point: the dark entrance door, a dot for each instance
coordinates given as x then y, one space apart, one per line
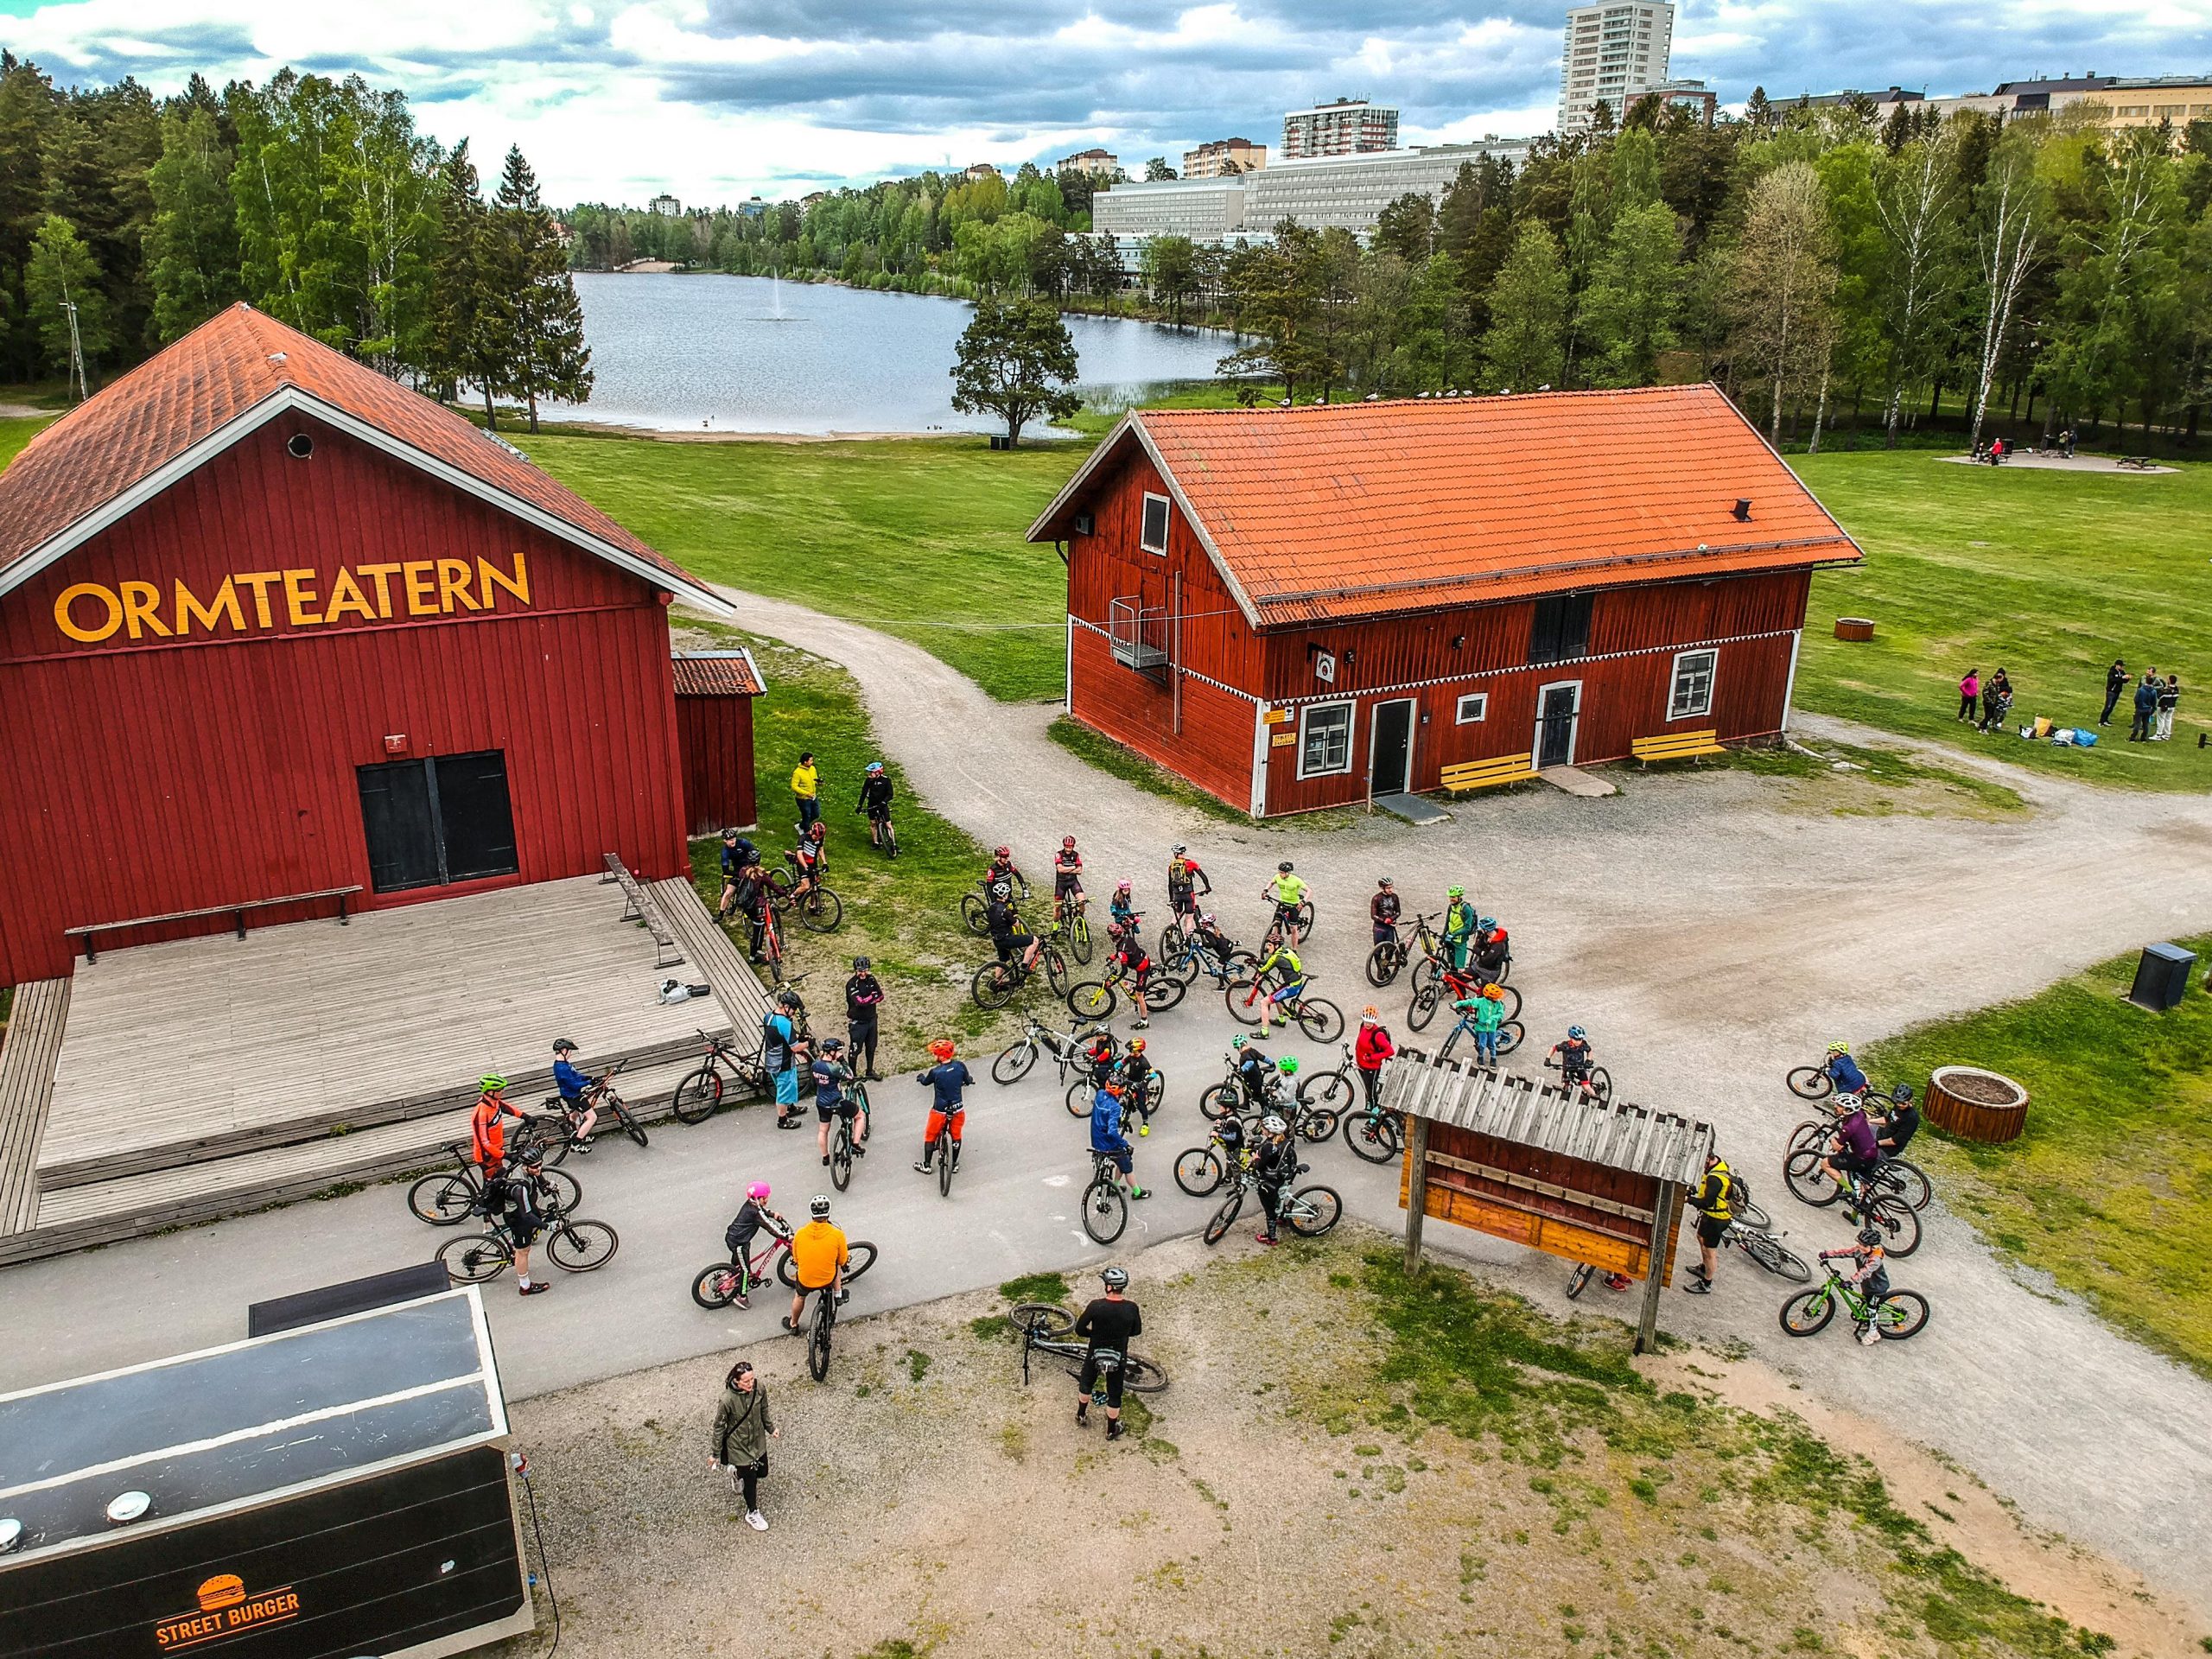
435 821
1390 762
1556 716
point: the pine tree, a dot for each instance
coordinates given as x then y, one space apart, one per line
547 356
471 322
191 245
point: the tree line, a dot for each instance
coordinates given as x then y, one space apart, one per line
127 220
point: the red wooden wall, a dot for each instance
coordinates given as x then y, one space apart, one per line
157 775
715 735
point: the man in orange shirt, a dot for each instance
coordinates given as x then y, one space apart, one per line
819 1257
488 1136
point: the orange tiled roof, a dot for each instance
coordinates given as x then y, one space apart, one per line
717 674
235 360
1355 510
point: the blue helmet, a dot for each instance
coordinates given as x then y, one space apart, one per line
1575 1032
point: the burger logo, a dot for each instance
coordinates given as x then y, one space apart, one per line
225 1609
224 1590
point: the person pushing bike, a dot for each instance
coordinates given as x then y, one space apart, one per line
876 795
1107 1324
1713 1202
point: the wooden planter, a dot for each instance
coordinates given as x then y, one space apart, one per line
1856 628
1976 1105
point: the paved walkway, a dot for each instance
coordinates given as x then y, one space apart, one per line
2065 464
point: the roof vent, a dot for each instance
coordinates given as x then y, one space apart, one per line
127 1507
299 446
1742 509
277 357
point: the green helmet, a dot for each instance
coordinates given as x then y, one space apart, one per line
1455 893
492 1084
1287 1065
1237 1041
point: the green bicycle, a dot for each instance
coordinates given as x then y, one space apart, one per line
1897 1316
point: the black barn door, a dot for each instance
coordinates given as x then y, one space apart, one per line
428 822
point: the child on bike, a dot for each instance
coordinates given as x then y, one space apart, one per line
1256 1069
947 1108
1485 1013
1136 1075
1492 951
1290 982
1121 910
832 1097
1108 1138
1135 964
1575 1059
1217 943
513 1196
1843 1072
1100 1055
752 1215
1870 1277
575 1089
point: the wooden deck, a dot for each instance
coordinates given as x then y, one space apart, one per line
34 1033
711 955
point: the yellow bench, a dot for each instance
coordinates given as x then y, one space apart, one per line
1677 746
1481 774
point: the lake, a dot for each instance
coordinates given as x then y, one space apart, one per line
677 352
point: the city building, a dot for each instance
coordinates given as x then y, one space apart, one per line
1884 100
1296 608
980 171
2128 100
1345 126
1098 163
1223 157
752 207
316 639
666 205
1694 96
1615 52
1205 210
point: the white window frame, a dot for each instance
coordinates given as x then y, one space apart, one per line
1166 517
1459 714
1674 681
1350 706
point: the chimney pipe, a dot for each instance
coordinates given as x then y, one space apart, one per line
1742 509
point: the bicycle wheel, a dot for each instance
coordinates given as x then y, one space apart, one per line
1808 1183
698 1095
1056 968
1383 963
1314 1211
1511 1036
1810 1136
1328 1091
1910 1180
1322 1021
1105 1212
1775 1257
1142 1376
1511 998
631 1126
1198 1172
1246 1007
1316 1124
1748 1210
1807 1312
841 1155
550 1134
1222 1100
817 1340
1079 936
993 985
821 911
1902 1315
1303 916
1225 1218
473 1260
1579 1281
1163 993
1372 1136
1081 1097
1451 1041
715 1285
1811 1083
441 1200
1013 1062
1425 972
1422 1009
973 914
859 1256
1092 1001
1041 1321
1601 1082
1900 1222
945 1162
786 1270
579 1246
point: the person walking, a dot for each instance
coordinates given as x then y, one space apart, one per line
864 1017
806 790
2146 707
738 1444
2169 700
1969 693
1106 1323
2116 683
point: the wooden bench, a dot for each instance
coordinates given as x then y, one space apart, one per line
2136 463
1677 746
642 907
91 952
1483 774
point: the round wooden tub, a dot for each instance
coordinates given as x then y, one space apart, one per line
1975 1105
1857 628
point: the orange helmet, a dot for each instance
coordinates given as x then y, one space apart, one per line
942 1048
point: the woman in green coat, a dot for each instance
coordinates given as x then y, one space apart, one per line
740 1442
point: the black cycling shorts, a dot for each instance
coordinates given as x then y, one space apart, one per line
523 1230
1006 944
849 1107
1711 1230
1088 1381
1065 882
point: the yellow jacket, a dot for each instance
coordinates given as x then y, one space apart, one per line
805 780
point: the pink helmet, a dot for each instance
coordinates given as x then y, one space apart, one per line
757 1191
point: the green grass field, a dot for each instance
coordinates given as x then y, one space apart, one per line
2049 575
16 431
2109 1190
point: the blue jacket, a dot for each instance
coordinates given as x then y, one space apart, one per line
2146 697
948 1080
1844 1072
1106 1124
571 1082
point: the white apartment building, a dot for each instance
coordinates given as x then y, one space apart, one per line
1343 126
1223 157
1615 52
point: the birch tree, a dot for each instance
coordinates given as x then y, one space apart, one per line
1917 201
2005 251
1785 278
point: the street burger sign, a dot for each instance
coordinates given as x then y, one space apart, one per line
225 1610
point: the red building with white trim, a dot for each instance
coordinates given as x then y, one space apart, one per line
1302 607
271 625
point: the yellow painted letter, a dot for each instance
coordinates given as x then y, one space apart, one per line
298 595
191 612
488 573
91 590
452 584
142 608
260 580
347 598
422 596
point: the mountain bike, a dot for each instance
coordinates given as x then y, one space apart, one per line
1897 1316
1200 1170
1067 1048
1765 1249
1082 1094
939 1150
1045 1329
1389 957
1901 1174
1072 918
840 1134
1810 1082
819 909
882 835
997 983
448 1199
817 1339
1309 1213
1873 1196
1447 986
1510 1035
1597 1085
1322 1021
976 906
699 1095
1105 1206
1097 999
715 1285
571 1246
554 1131
1184 956
1226 1098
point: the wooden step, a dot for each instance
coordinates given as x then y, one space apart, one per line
42 1014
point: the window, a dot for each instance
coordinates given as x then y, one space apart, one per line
1473 707
1153 536
1323 739
1693 692
1560 630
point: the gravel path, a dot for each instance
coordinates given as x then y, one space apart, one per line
1710 937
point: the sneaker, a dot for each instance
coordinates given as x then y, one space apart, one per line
786 1322
1114 1430
1617 1281
1868 1336
741 1301
1141 1025
757 1520
860 1148
1698 1287
923 1167
1082 1415
825 1160
787 1122
1139 1191
1263 1239
536 1287
581 1143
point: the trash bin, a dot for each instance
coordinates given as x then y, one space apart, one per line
2162 977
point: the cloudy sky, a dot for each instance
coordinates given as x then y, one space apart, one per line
716 99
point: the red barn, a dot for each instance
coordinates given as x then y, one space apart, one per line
713 720
272 625
1300 607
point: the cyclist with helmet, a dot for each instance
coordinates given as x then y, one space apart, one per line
487 1130
513 1196
1010 935
1574 1058
1107 1324
1491 949
781 1048
1459 920
1870 1276
1714 1204
863 1016
1109 1133
1185 881
1286 892
1136 1075
1256 1069
1894 1130
818 1258
575 1087
1217 943
1485 1013
1004 869
1274 1165
1121 910
1843 1072
1383 910
947 1108
1370 1049
809 859
833 1097
875 800
739 856
1102 1059
752 1215
1067 879
1128 952
1290 980
1854 1150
